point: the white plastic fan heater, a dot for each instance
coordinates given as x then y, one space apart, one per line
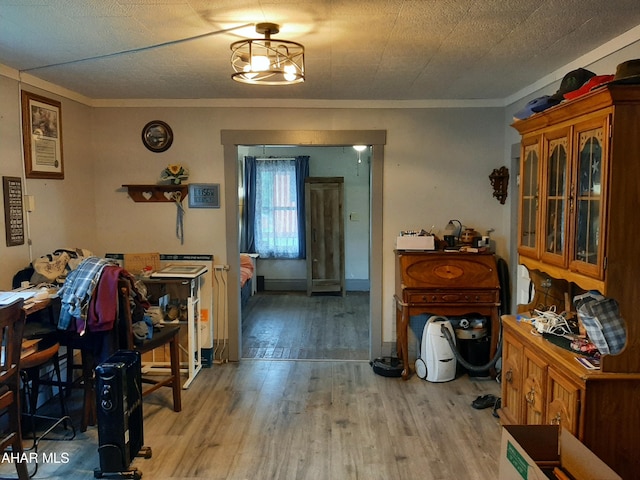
437 362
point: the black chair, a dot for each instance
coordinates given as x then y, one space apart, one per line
47 327
94 347
31 372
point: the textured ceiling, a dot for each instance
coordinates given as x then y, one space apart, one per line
355 49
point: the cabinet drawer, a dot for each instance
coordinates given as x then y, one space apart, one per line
453 297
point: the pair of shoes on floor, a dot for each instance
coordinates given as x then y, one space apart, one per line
484 401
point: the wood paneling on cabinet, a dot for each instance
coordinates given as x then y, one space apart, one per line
578 223
545 384
579 194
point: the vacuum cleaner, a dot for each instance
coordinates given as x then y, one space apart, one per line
437 362
438 353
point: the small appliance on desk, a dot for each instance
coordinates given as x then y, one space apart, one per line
415 240
470 237
452 234
457 237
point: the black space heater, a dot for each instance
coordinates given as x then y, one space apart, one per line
119 413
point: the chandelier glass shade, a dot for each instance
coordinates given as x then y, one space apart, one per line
267 61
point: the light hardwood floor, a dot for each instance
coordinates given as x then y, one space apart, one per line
296 326
275 419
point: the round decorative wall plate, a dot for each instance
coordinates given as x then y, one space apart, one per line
157 136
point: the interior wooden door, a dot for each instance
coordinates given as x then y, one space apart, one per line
324 219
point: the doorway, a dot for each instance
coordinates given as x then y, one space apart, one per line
231 139
315 307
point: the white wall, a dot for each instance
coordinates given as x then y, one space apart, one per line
437 163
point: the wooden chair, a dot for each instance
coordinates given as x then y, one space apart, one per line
12 319
124 339
168 335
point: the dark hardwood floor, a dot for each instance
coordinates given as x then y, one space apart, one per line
292 325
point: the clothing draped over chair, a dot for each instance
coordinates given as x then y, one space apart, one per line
89 303
91 319
77 292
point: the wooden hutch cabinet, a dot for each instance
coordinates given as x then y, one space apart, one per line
563 197
579 223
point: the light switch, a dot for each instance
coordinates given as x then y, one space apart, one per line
354 217
29 203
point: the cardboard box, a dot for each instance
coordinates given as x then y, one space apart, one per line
135 263
415 242
527 451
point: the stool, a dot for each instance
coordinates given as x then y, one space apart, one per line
30 367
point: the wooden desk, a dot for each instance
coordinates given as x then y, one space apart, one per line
36 323
444 283
32 307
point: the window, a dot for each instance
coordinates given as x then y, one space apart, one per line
275 206
276 222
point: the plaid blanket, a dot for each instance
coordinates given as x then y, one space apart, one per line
77 291
602 321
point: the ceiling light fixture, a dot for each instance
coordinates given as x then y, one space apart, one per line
266 61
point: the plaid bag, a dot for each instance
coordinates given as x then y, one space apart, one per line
601 318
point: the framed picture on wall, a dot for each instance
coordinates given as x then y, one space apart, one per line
13 210
42 136
204 195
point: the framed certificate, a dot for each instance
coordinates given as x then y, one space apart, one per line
42 136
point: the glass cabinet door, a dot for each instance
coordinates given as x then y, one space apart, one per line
555 201
529 178
589 194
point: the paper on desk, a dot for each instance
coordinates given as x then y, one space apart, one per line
9 297
29 295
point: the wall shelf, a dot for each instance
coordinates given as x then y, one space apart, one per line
156 193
